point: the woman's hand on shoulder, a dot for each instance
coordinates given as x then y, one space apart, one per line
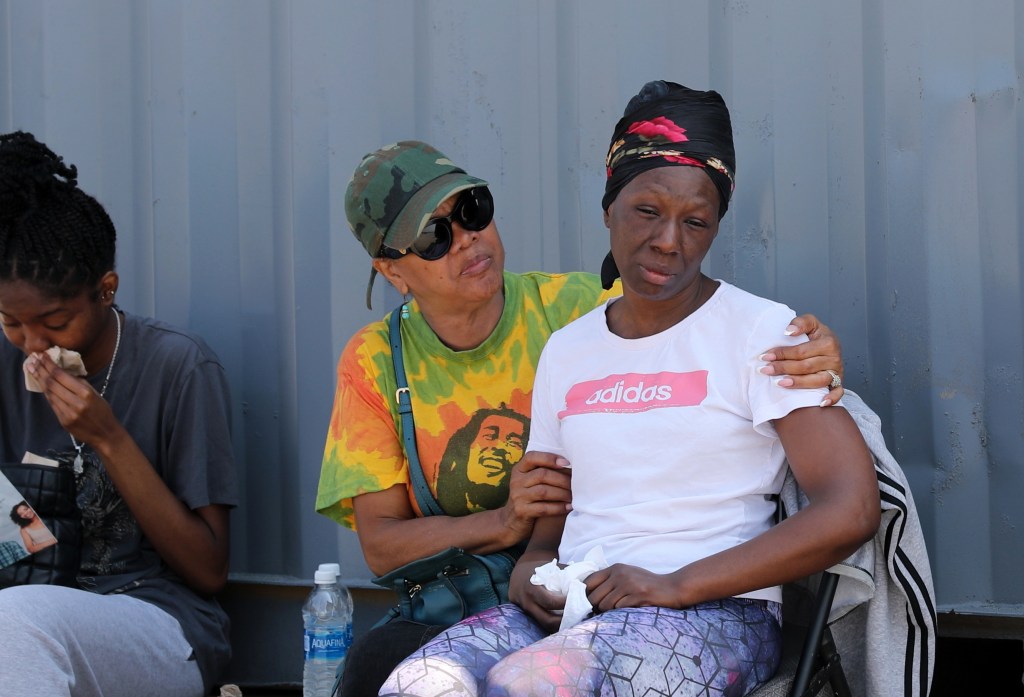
806 365
540 486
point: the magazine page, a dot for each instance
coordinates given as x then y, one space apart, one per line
22 532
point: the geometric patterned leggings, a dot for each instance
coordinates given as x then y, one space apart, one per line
723 647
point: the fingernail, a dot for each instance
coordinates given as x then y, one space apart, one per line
786 382
767 357
562 462
791 330
825 402
31 364
767 369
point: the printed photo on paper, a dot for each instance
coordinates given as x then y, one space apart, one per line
22 532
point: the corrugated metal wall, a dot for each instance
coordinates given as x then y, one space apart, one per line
879 187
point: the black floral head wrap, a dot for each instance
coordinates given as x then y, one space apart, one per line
665 125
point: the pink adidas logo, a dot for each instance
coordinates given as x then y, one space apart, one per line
634 392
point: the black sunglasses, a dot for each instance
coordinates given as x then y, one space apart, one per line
473 211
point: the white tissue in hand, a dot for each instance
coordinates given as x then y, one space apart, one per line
569 583
577 605
69 360
557 579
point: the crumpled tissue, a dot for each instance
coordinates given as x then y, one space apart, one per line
69 360
569 583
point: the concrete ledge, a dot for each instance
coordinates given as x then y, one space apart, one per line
980 625
266 626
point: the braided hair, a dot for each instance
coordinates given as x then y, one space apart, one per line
52 234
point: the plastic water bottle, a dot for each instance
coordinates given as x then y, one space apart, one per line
327 616
334 567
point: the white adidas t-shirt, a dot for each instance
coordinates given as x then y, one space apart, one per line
670 438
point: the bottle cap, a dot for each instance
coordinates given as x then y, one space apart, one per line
324 576
333 567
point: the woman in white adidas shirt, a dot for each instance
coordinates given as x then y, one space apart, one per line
677 443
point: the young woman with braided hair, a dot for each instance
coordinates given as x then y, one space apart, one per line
147 430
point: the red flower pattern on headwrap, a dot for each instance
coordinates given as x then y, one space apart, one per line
659 127
684 160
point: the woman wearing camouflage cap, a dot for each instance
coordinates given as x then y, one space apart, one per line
471 336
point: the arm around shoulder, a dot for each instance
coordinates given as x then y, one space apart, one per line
808 365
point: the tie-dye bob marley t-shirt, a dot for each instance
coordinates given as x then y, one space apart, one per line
471 408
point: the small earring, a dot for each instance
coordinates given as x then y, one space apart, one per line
405 311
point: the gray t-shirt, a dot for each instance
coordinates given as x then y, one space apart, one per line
170 392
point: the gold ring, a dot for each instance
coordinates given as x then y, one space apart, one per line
836 380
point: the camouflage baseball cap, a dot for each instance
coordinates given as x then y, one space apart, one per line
394 190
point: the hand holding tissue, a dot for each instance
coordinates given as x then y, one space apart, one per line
69 360
569 583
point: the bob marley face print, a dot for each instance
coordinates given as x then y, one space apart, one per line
498 445
477 464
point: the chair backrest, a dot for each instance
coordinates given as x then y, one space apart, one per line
810 663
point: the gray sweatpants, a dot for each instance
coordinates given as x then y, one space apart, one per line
61 641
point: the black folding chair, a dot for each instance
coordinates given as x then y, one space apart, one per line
810 662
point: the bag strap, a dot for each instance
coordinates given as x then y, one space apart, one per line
427 503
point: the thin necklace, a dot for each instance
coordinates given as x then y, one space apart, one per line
103 390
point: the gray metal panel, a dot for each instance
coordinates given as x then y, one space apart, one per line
879 187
